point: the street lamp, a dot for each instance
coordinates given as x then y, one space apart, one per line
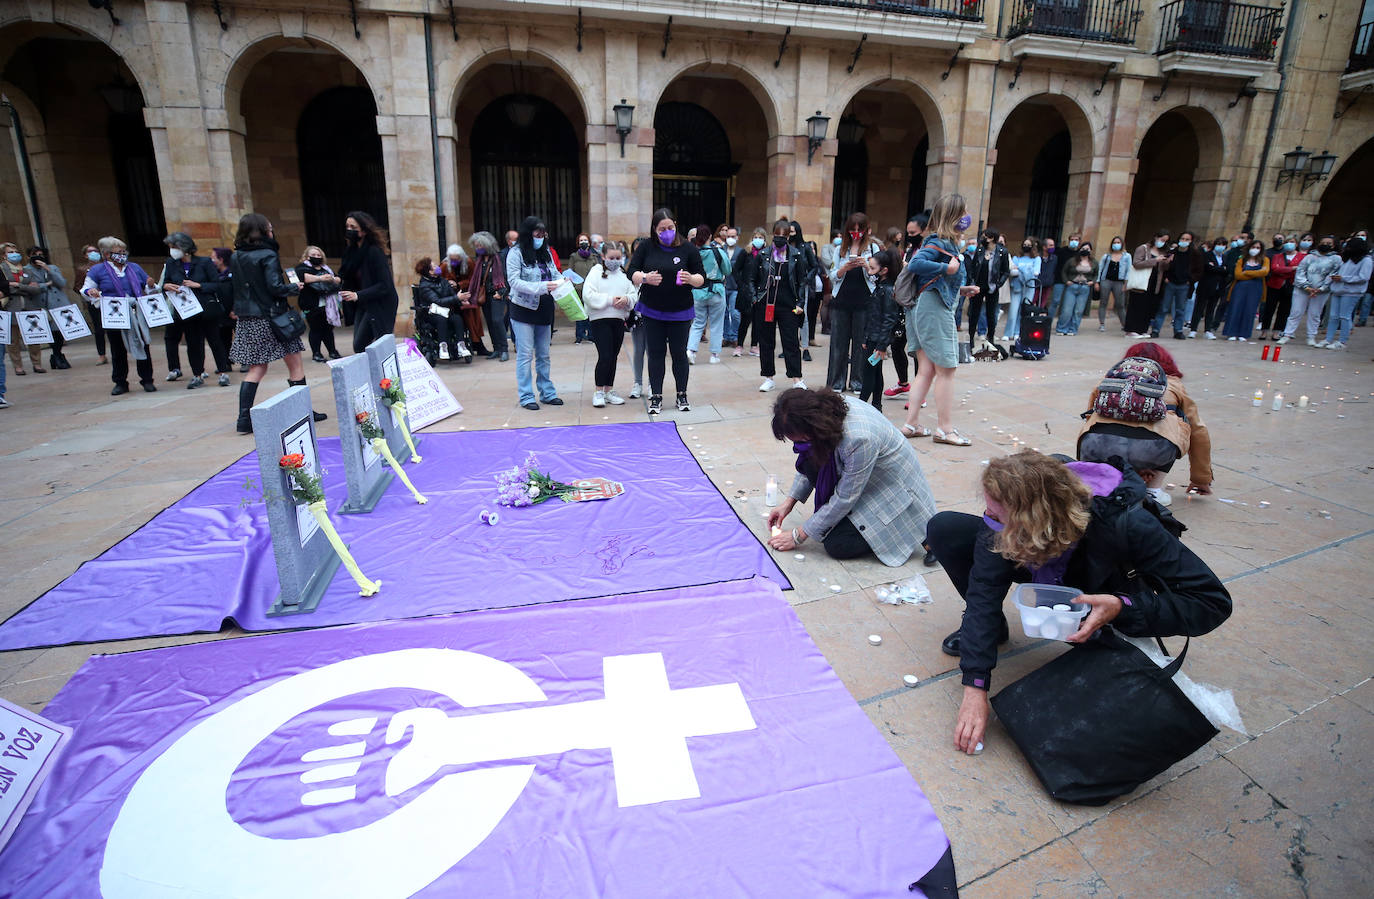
1294 162
816 126
1318 167
624 121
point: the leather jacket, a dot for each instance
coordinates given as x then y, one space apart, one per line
259 286
798 272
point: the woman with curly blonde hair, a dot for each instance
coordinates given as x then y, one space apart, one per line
1077 524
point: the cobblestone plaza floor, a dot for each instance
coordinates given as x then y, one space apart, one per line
1284 809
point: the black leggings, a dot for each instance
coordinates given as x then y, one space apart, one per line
609 335
813 313
1277 306
899 363
746 316
662 339
988 302
872 391
321 332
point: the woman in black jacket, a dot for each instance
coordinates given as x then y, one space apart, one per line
665 270
259 292
779 289
880 321
433 289
1080 524
184 267
367 280
318 283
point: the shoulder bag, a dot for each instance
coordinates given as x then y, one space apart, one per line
287 324
1138 278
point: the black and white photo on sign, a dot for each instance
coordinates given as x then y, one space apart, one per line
70 322
157 311
114 313
184 299
364 400
33 327
300 439
5 327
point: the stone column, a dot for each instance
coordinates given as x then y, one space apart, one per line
60 249
408 151
621 187
1116 177
967 165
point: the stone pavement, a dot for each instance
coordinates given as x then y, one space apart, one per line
1284 809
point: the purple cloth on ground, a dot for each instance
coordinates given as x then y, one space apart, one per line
277 750
208 557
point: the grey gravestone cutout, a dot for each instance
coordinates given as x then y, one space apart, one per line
306 563
368 475
381 356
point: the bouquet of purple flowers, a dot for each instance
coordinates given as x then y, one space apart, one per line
525 485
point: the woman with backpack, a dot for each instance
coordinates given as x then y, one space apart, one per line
1076 524
709 300
1149 437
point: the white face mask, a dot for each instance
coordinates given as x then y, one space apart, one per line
731 241
176 253
1159 245
1116 246
1184 244
614 264
1254 251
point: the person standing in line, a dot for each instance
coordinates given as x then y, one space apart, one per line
665 269
1247 292
318 284
1311 290
532 275
1142 304
581 262
52 296
116 276
1112 270
880 320
1023 276
745 266
1210 287
1278 299
221 295
90 257
1350 282
849 304
940 276
1062 255
991 265
1181 274
779 288
609 296
727 238
708 302
1362 305
183 268
490 291
23 292
366 274
1077 279
261 291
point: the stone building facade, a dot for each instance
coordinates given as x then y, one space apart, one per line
1049 116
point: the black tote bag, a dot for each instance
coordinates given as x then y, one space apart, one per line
1101 719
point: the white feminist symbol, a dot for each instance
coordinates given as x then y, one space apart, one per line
175 836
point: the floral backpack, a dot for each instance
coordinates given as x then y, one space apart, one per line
1133 390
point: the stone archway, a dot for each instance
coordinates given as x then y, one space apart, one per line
1040 182
890 129
1177 175
1348 201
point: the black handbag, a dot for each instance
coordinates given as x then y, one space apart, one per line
1101 719
287 324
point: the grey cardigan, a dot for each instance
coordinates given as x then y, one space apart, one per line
881 487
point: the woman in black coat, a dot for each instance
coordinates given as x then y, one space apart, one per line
184 267
367 280
1095 534
433 289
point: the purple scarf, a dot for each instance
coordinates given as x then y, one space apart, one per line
827 476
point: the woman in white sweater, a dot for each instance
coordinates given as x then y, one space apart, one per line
609 296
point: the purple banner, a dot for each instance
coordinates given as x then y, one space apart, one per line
208 557
689 742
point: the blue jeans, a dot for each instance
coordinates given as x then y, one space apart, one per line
1072 306
1056 299
1362 310
710 310
532 346
1019 291
1178 300
582 331
731 329
1338 323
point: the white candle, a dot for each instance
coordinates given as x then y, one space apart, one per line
1302 402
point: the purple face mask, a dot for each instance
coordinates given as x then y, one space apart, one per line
963 223
993 523
667 237
801 446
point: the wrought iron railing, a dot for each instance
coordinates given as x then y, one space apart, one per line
1220 27
971 10
1111 21
1362 50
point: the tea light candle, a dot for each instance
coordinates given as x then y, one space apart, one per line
1302 401
874 639
911 680
770 491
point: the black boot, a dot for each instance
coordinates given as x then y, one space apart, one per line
248 391
319 416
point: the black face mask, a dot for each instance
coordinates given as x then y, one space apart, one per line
911 239
779 241
316 262
1327 248
353 235
794 239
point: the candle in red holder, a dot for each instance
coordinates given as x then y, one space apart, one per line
1264 354
1277 350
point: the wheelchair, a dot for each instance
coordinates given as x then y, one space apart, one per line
432 344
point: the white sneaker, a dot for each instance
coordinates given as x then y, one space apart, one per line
1312 341
1338 345
443 350
1210 336
636 392
1320 344
614 398
1282 340
767 385
1192 334
691 357
1233 338
739 351
599 399
800 384
715 359
1160 496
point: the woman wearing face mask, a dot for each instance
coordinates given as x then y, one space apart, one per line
609 296
1142 305
990 271
941 279
366 276
53 296
490 291
23 292
433 289
1211 286
183 268
1247 292
318 285
665 270
1112 270
1077 278
815 286
709 301
1278 300
116 276
779 285
457 270
853 288
1350 282
745 266
90 257
582 261
221 293
532 275
1311 290
1024 276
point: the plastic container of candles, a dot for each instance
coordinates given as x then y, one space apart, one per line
1049 611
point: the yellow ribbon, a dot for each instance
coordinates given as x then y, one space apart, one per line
405 431
380 447
321 514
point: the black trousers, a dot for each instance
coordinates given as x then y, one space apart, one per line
172 335
951 536
661 340
1141 306
609 335
321 331
787 323
813 313
1277 305
899 359
495 315
845 542
987 304
119 363
746 318
97 329
370 325
846 346
1207 310
872 391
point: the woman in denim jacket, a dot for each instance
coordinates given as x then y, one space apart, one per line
532 276
940 277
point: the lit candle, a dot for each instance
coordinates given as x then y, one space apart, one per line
1302 402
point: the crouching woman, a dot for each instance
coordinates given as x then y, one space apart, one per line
1079 524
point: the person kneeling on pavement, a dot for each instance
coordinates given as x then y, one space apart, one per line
1088 525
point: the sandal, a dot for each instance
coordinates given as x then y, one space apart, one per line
953 437
909 432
